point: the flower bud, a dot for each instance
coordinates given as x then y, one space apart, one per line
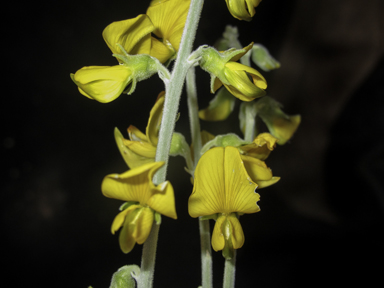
280 125
262 58
102 83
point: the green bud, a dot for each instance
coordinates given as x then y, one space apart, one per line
180 147
280 125
230 139
262 58
220 107
125 277
229 39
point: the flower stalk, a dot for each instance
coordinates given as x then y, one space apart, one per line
173 90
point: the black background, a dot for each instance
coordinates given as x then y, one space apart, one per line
321 224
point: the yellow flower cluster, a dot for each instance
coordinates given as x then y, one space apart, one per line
138 44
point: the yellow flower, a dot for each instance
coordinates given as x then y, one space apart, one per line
219 107
261 146
281 125
223 187
224 70
141 148
157 33
168 17
143 199
102 83
242 9
239 85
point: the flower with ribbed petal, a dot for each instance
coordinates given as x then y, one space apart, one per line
223 190
224 70
140 148
143 199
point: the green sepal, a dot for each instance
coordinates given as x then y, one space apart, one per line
180 147
228 251
125 277
262 58
157 217
214 61
126 205
229 39
229 139
142 67
208 217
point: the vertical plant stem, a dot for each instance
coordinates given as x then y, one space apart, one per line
174 88
206 254
193 111
148 257
172 98
193 108
229 272
250 120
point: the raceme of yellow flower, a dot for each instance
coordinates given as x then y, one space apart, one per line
222 186
242 9
102 83
143 199
141 148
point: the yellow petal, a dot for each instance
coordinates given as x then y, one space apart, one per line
240 85
237 234
132 34
126 240
222 184
261 146
119 219
141 148
133 185
256 168
160 51
242 9
168 17
284 128
258 78
135 134
154 121
131 158
219 108
141 224
218 241
163 201
266 183
102 83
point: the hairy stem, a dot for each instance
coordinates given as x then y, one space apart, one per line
173 90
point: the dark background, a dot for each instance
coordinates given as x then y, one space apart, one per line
321 224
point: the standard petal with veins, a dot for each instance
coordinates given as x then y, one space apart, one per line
134 35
